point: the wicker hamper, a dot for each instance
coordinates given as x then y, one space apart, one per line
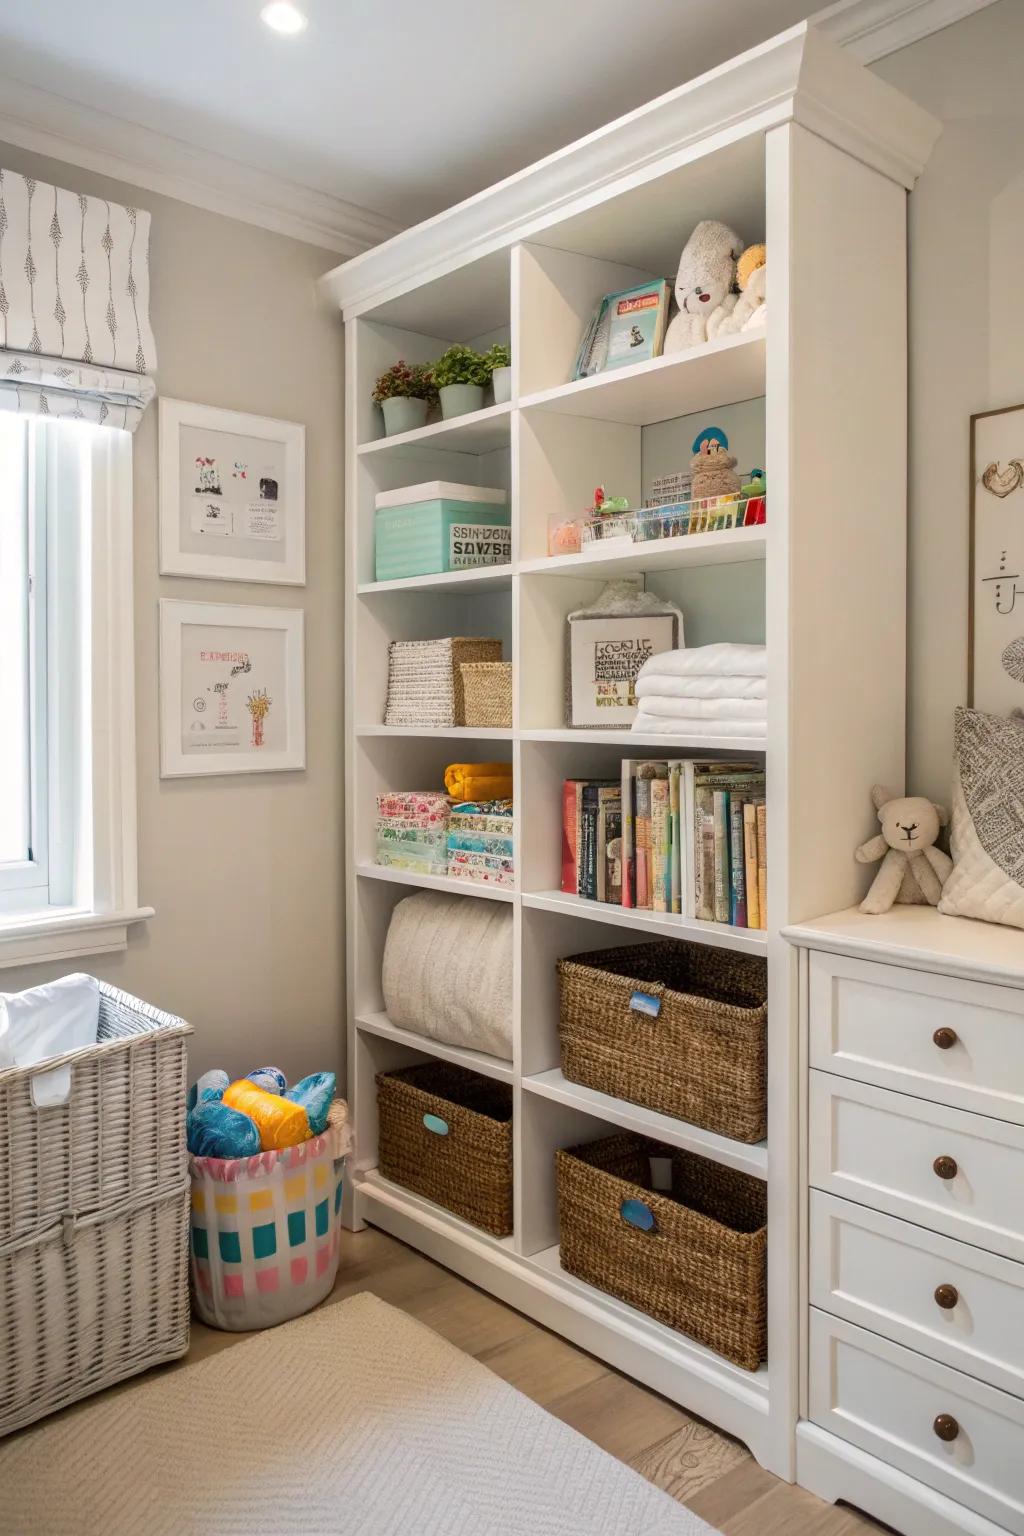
425 680
676 1027
694 1259
94 1215
487 692
446 1134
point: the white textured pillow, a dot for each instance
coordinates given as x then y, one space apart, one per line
47 1021
447 970
987 836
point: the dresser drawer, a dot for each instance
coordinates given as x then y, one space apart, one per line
953 1302
887 1399
957 1042
889 1151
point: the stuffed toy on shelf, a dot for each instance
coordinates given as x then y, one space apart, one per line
704 285
913 870
750 311
713 467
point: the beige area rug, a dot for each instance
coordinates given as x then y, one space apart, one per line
356 1419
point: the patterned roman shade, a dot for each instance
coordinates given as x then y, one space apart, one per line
75 338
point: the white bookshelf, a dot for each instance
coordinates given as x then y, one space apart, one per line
797 144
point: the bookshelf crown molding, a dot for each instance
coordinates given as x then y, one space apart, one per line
48 124
800 75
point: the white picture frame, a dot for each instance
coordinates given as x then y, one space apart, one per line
995 624
245 519
216 659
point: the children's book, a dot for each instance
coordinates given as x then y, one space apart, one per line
570 835
628 845
762 864
645 773
700 777
627 327
661 844
722 887
609 844
737 862
679 842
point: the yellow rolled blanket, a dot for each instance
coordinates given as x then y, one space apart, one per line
479 781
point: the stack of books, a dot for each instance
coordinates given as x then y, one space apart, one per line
686 836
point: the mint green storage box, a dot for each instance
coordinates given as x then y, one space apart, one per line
422 530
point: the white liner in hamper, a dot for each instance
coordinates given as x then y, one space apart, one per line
447 970
94 1214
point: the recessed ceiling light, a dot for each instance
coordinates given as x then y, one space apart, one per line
283 16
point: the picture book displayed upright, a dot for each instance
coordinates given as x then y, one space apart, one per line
626 327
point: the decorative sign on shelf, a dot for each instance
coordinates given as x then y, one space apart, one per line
996 664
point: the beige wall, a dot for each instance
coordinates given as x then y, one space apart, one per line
245 873
966 337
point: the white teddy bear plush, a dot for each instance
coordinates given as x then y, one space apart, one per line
704 284
913 871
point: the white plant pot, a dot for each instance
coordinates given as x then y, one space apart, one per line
501 379
460 399
403 415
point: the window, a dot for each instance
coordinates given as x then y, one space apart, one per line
67 776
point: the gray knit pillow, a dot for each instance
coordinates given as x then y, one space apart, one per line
987 837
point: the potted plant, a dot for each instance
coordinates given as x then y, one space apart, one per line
461 376
404 393
499 360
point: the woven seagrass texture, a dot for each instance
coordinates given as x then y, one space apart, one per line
468 1171
93 1214
702 1059
487 691
701 1269
425 683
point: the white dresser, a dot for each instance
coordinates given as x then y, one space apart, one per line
912 1209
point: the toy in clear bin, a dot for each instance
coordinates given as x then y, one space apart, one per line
753 495
609 520
565 535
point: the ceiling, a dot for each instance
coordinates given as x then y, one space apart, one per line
396 106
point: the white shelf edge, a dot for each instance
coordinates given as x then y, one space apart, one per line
736 745
750 347
475 1253
372 1184
720 546
478 1061
747 1158
668 925
435 434
436 882
462 732
442 581
753 1382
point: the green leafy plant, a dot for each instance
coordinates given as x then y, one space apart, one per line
498 356
406 381
461 365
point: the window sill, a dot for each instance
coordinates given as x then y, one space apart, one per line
64 934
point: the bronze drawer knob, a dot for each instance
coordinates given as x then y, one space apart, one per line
946 1296
945 1038
946 1427
945 1167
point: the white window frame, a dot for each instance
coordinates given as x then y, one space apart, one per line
92 839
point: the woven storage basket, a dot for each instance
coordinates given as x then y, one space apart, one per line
694 1259
446 1134
701 1057
487 692
93 1214
425 681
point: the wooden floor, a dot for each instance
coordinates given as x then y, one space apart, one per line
715 1476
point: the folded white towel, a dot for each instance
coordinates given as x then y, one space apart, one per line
675 725
724 659
683 688
705 709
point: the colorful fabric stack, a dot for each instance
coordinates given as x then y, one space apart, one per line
481 842
412 831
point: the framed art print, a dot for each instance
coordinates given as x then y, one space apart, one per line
232 495
232 689
995 677
606 652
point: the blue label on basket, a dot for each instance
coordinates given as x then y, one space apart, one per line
637 1214
436 1124
643 1002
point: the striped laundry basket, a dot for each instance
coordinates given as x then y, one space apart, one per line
265 1230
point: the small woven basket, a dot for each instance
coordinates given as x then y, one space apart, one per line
696 1052
425 679
487 692
693 1258
446 1134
